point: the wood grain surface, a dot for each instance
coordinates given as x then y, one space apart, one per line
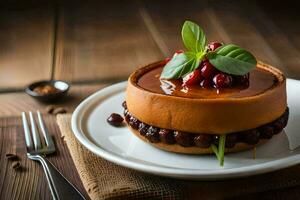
102 40
25 43
168 24
93 44
12 104
29 182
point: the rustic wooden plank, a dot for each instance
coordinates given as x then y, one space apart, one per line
12 104
30 181
167 17
226 21
102 40
26 43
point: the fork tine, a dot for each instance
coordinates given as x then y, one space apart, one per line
27 132
48 138
35 135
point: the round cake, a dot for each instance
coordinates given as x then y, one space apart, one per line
240 113
210 98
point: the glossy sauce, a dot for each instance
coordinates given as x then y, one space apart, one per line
260 81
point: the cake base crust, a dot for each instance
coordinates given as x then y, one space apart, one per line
176 148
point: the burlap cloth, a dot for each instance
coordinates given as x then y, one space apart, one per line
105 180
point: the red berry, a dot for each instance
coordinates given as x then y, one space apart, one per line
213 46
208 70
206 83
192 78
202 63
222 81
179 51
242 80
167 60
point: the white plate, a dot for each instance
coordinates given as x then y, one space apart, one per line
120 146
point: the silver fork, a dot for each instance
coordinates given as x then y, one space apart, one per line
60 187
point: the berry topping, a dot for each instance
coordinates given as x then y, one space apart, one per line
215 57
125 112
213 46
251 136
167 60
127 116
207 70
192 78
206 83
266 132
179 51
134 122
115 119
231 140
152 134
242 80
278 126
222 81
166 136
143 128
203 140
184 139
216 140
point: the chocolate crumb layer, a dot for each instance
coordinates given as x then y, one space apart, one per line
202 140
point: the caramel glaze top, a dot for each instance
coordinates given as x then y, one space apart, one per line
260 81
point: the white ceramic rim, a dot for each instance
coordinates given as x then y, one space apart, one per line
80 112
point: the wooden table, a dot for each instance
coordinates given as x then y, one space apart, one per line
94 44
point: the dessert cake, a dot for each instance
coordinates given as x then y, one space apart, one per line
212 98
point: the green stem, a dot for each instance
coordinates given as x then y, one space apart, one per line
220 150
215 150
222 140
200 55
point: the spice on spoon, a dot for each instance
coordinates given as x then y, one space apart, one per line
46 89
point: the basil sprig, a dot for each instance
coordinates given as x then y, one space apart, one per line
195 41
180 65
229 59
232 59
193 37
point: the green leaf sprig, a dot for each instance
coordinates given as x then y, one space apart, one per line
220 151
232 59
229 58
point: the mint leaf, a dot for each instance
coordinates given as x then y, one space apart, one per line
179 66
193 37
232 59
